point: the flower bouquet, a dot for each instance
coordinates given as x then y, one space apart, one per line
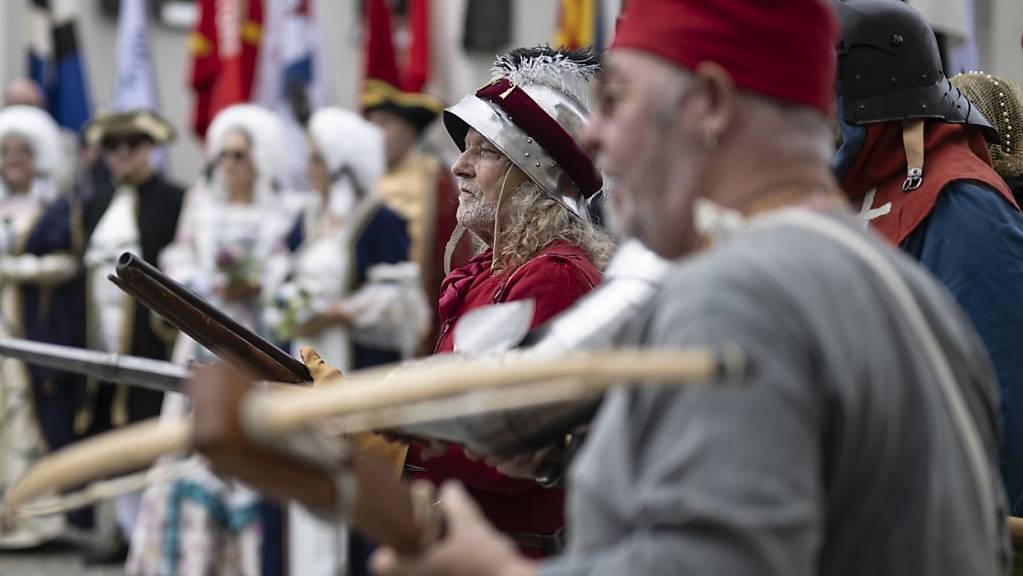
295 305
236 266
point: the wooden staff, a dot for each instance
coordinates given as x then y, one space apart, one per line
466 385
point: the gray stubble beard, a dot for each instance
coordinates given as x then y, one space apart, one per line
476 214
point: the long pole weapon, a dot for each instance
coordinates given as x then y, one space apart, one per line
105 366
376 399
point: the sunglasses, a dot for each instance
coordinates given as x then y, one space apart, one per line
236 155
131 142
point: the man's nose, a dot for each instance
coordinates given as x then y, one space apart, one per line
462 168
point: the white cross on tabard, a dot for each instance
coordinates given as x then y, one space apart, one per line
868 212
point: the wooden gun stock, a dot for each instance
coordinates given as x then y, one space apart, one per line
310 469
208 326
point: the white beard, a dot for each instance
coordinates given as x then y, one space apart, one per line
476 213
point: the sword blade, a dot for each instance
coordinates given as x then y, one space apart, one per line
108 367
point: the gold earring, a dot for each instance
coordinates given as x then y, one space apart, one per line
708 139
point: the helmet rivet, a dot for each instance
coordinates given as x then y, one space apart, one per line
894 80
553 165
529 140
527 154
923 76
862 107
897 40
537 164
923 106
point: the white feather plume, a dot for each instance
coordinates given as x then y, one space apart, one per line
549 68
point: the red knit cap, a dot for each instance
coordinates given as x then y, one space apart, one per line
783 49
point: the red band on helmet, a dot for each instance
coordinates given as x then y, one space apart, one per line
534 121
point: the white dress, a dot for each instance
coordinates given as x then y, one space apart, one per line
389 311
199 524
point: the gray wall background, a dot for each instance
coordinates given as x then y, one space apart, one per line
1000 23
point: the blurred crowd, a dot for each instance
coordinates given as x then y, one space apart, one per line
351 266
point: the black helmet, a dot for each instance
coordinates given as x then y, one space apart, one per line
890 68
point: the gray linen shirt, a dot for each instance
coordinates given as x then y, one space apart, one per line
835 456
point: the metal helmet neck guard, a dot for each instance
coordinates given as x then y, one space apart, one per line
533 111
889 68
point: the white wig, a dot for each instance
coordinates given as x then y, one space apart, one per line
347 142
42 133
266 137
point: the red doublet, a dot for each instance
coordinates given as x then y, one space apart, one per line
555 278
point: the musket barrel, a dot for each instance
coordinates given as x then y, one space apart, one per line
207 325
109 367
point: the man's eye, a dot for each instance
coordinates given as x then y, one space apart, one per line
607 95
607 101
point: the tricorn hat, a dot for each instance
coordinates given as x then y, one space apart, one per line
416 108
144 122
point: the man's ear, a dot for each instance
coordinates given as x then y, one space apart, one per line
719 95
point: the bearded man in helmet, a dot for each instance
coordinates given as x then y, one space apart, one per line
523 183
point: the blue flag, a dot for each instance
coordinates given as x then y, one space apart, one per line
55 63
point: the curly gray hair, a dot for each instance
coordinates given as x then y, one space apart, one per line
531 220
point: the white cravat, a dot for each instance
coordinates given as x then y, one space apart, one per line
116 232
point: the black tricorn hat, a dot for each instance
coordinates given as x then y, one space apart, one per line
144 122
416 108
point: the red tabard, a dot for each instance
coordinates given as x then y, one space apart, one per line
555 278
874 180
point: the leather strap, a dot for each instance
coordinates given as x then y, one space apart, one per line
913 142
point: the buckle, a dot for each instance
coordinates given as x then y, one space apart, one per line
914 178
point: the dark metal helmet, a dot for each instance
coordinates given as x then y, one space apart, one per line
889 68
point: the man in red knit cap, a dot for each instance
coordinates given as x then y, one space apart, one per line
862 438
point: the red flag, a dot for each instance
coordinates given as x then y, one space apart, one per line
381 63
417 72
252 36
225 49
381 57
205 64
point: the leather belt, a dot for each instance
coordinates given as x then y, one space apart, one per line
549 544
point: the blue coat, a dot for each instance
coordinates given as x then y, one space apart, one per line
973 242
383 240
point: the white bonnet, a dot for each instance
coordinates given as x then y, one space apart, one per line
344 138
